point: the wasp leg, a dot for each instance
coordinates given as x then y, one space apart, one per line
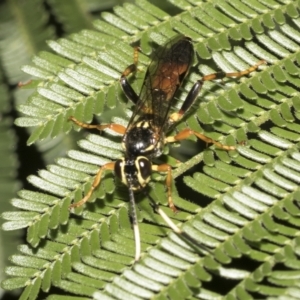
115 127
185 133
127 89
193 94
166 169
191 97
96 182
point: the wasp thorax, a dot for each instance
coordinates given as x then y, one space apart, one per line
134 173
141 139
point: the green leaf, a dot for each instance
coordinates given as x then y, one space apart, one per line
241 204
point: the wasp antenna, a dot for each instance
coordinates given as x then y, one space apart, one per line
137 241
169 222
135 225
191 241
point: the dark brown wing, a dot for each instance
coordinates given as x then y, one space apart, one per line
164 76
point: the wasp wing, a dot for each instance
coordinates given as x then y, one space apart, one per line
169 66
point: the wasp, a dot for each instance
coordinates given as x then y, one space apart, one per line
146 134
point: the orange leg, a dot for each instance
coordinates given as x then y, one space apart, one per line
128 90
247 71
191 97
195 90
132 68
166 169
115 127
96 182
185 133
22 84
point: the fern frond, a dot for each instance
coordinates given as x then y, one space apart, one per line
22 35
8 173
254 215
72 17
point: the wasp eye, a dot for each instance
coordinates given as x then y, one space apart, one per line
119 168
144 168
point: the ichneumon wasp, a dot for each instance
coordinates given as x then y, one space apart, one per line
145 135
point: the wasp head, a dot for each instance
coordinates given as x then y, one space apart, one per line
135 172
